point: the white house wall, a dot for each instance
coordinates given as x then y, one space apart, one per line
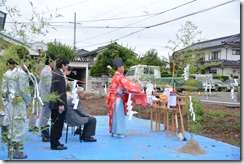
230 55
233 57
223 54
226 71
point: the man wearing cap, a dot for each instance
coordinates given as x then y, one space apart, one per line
78 116
117 98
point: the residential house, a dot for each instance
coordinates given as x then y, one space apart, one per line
225 51
90 59
80 68
9 39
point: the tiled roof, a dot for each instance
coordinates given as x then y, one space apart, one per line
13 40
231 40
226 63
81 52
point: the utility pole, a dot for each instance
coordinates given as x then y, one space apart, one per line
74 30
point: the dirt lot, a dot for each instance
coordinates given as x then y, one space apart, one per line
219 121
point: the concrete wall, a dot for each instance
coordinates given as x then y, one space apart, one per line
81 71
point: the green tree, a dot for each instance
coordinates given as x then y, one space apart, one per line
186 36
60 49
37 23
151 58
10 51
105 59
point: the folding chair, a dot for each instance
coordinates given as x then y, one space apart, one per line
73 131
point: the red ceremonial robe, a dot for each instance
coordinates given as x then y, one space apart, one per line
138 96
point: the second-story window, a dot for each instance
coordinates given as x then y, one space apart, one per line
146 70
236 52
213 71
215 55
202 59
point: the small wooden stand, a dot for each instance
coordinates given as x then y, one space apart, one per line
160 107
181 103
155 116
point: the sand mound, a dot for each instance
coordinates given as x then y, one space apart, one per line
192 147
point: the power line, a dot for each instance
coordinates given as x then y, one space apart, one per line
110 19
174 8
172 20
204 10
166 22
136 8
71 23
120 6
118 18
68 6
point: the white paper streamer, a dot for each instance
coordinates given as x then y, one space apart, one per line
232 93
74 84
186 72
74 96
76 103
192 113
130 112
105 89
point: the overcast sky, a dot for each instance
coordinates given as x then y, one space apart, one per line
126 21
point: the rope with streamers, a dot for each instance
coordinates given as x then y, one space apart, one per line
68 77
36 90
192 113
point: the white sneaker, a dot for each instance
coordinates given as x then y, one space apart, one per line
121 135
118 135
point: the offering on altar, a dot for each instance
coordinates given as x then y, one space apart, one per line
168 89
172 99
163 97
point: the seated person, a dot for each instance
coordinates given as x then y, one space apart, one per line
77 117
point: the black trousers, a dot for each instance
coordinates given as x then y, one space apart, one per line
57 123
90 127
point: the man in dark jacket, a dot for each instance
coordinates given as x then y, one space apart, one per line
58 106
77 117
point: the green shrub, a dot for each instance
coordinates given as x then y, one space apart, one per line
220 77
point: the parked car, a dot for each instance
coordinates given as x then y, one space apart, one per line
213 87
221 86
141 74
190 85
232 83
205 79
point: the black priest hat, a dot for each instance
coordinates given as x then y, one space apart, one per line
117 62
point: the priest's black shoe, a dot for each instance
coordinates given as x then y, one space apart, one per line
89 139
